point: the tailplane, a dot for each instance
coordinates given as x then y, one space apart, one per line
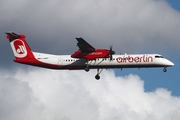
20 48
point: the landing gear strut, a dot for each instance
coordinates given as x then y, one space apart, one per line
165 70
98 73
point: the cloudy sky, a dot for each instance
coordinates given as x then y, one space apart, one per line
131 26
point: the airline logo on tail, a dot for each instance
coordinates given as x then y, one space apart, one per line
19 48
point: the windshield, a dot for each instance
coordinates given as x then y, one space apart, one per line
159 57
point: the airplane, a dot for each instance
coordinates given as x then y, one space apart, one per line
86 58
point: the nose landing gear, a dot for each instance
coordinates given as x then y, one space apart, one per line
165 70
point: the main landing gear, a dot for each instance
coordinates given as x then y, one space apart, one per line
97 77
98 72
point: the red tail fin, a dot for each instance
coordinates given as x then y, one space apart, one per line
21 50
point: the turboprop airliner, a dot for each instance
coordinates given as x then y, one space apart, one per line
86 58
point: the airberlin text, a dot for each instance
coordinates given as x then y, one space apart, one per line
137 59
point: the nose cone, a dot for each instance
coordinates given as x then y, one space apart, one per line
112 52
169 63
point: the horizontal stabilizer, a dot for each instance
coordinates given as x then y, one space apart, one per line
12 36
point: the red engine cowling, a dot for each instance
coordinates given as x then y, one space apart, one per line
98 53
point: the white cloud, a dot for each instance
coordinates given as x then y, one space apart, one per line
66 95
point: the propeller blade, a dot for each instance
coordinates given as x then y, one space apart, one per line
111 52
111 58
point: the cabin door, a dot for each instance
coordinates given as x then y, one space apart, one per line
60 62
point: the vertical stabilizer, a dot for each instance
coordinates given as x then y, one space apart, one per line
20 48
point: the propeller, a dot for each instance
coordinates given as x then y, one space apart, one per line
111 52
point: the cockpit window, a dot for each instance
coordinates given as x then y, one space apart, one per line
159 57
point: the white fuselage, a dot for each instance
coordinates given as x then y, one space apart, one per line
119 61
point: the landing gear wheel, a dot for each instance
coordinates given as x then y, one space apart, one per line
97 77
164 70
86 69
98 73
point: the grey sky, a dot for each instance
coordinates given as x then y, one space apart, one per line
130 26
141 26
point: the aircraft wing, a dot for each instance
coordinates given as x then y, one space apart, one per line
84 46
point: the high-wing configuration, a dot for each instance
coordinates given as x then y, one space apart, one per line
86 58
88 52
